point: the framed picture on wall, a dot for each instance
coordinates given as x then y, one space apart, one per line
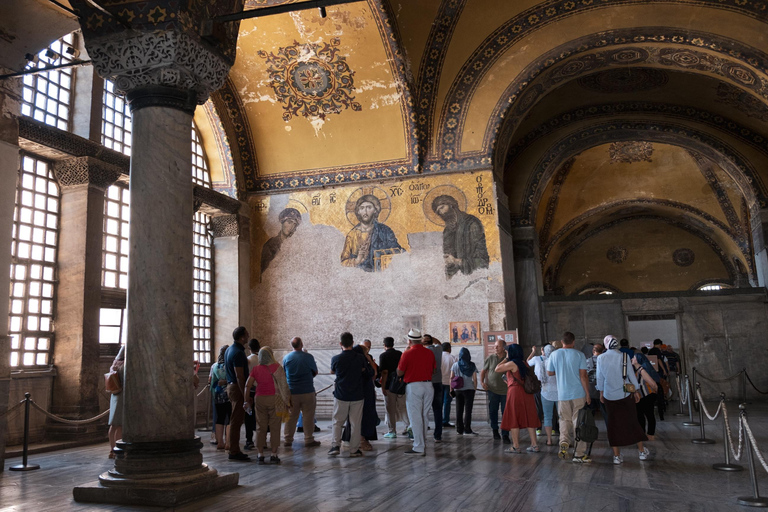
464 333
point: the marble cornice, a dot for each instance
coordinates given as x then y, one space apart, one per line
85 170
214 203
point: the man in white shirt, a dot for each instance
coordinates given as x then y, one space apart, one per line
445 368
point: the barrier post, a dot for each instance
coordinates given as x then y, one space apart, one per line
755 500
744 385
679 396
726 466
24 466
690 422
703 439
694 382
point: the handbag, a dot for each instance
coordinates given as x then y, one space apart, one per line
396 384
628 386
282 396
112 384
457 381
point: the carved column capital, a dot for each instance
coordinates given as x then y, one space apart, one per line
230 225
159 68
85 170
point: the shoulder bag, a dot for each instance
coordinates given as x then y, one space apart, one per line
395 384
628 386
531 383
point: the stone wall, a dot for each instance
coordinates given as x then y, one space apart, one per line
304 282
720 333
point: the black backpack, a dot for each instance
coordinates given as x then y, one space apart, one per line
586 430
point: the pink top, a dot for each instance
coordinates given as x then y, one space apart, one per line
265 385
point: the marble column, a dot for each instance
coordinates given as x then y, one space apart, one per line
9 175
159 460
83 181
507 257
528 284
231 249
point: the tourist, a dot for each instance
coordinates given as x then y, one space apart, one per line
300 371
647 389
271 400
548 388
663 372
416 367
250 419
624 347
433 344
520 411
569 366
446 363
116 403
493 383
464 384
614 370
351 369
217 380
236 364
370 418
594 394
394 403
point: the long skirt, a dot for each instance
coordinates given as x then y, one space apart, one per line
623 427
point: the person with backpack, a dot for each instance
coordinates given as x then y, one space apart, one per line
520 411
647 388
464 383
548 388
617 383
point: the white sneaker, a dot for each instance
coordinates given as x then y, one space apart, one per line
645 454
618 459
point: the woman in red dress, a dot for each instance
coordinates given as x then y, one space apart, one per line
520 410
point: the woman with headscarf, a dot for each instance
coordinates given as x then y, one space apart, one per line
116 404
520 411
217 380
271 399
464 375
548 388
648 388
370 416
615 381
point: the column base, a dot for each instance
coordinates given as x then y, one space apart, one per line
165 491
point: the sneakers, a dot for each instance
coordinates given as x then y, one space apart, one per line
618 459
239 456
366 446
390 435
645 454
260 460
317 429
334 451
496 434
563 453
248 445
312 444
410 433
358 453
584 459
449 424
470 433
539 432
506 440
413 452
274 459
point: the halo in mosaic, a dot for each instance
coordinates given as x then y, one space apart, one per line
683 257
311 79
617 254
627 152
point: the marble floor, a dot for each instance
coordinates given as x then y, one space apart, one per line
463 474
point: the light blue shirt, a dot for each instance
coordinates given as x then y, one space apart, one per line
610 379
566 363
300 371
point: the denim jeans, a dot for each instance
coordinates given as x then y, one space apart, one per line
437 409
447 399
495 401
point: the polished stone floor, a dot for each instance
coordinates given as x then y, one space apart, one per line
462 474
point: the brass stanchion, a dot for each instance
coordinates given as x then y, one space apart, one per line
24 466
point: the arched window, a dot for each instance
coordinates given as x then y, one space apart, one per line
203 261
33 264
710 287
116 121
46 96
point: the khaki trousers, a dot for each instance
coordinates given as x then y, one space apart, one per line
568 410
304 403
266 416
342 410
235 395
395 405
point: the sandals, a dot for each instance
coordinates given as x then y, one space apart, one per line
513 450
533 449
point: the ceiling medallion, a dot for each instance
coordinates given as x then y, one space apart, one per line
624 80
683 257
311 79
630 151
617 254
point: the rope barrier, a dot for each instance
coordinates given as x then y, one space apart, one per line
735 375
65 420
12 409
683 393
738 453
754 445
203 390
326 387
753 385
704 407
